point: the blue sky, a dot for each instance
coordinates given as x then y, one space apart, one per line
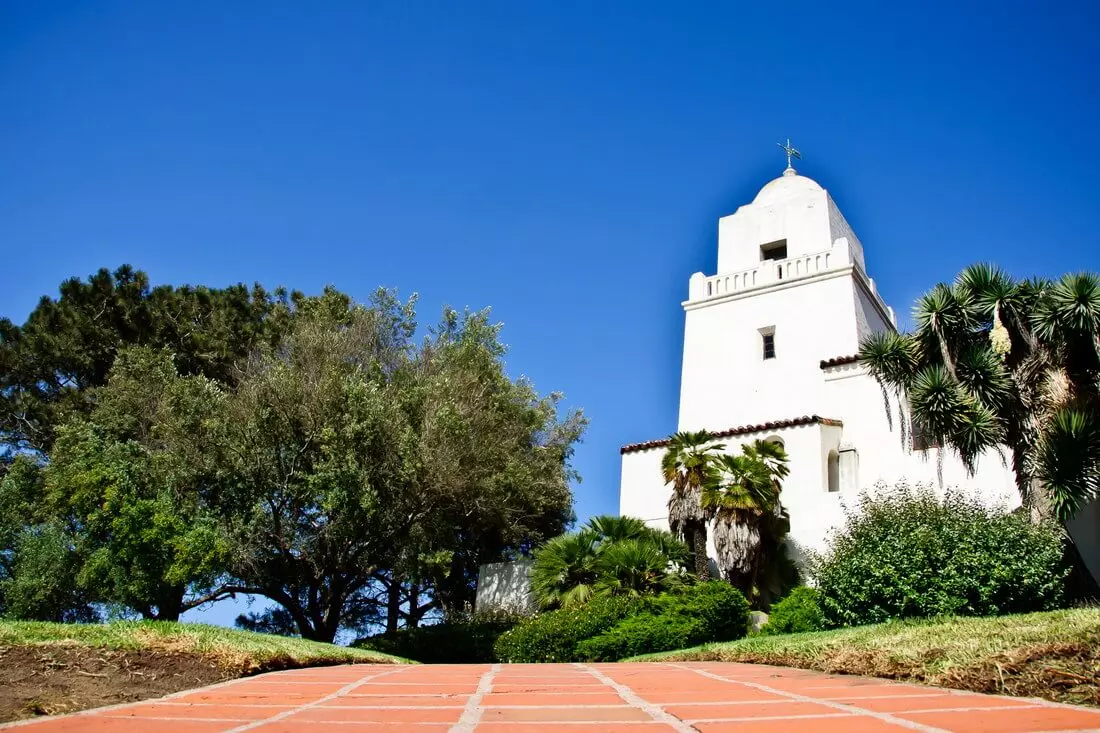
563 162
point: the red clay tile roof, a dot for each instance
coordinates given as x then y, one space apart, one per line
839 361
742 430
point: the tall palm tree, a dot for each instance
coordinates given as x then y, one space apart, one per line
607 556
686 463
993 362
742 494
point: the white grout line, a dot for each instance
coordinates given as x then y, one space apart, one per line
656 712
754 719
471 714
885 717
316 703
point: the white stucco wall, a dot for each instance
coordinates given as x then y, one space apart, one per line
504 586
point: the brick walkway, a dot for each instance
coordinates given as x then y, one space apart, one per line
609 698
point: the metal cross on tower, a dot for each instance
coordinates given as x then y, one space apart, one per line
791 152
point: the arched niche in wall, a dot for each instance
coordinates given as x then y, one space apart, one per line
833 471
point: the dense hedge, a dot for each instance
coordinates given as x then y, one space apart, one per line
910 553
455 642
798 612
714 611
553 636
613 628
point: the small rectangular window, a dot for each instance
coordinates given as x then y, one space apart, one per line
769 346
774 250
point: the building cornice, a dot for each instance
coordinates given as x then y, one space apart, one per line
772 286
741 430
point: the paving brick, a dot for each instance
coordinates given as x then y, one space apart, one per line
618 714
749 710
1030 720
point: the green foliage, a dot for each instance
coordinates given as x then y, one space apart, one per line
462 641
43 585
189 444
741 493
711 611
908 553
609 556
554 636
993 362
133 481
351 449
799 612
686 464
68 344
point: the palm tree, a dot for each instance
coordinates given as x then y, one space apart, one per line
686 464
641 566
993 362
607 556
742 494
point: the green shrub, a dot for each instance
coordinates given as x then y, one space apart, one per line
553 636
908 553
799 612
642 634
714 611
453 642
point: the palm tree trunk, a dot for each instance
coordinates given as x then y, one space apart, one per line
699 550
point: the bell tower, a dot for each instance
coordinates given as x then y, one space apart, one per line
791 289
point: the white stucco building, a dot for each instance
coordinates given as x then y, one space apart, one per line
769 344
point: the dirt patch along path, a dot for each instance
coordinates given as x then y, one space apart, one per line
59 678
689 697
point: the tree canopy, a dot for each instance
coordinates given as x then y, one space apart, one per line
185 444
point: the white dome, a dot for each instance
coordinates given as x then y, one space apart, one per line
787 186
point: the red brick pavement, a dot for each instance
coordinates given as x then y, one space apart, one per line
567 698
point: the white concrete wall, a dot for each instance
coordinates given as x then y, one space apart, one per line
877 425
642 490
726 382
504 586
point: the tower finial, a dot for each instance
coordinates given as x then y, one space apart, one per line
791 152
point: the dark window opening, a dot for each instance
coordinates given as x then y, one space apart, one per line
769 346
774 250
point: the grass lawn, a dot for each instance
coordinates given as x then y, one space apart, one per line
57 668
1053 655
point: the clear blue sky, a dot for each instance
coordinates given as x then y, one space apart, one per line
562 162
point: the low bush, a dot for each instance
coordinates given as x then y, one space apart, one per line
908 552
453 642
694 615
554 636
798 612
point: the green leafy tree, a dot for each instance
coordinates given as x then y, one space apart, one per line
353 457
995 362
68 344
608 556
135 482
38 564
741 493
493 455
686 464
